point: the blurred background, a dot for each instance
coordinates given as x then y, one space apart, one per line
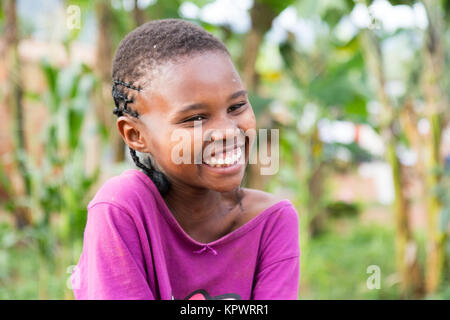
358 89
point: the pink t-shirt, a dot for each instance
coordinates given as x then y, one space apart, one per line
134 248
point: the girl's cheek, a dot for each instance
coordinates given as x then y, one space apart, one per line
251 119
180 153
248 125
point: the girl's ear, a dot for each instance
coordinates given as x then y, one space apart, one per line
129 130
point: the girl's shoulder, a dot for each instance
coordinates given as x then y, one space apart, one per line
124 189
281 221
256 202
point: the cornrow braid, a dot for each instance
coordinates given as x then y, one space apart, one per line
159 179
128 85
121 101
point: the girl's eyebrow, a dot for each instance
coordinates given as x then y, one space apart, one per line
237 94
197 106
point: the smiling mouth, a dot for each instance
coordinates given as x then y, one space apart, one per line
225 159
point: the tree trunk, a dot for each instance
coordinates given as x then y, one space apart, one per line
406 247
104 56
138 15
262 16
434 66
14 101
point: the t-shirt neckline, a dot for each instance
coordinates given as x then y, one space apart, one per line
249 225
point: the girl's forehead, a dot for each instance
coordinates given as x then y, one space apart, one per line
207 78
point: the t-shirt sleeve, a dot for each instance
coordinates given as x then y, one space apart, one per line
278 271
111 265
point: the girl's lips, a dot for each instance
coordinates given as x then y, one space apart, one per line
232 169
224 159
225 166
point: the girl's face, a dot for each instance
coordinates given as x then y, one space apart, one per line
207 89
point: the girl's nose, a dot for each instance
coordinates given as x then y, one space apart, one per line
223 128
225 133
227 139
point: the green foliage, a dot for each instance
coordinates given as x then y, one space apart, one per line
7 190
341 209
27 274
199 3
330 11
335 81
335 265
356 153
277 5
68 99
259 103
60 185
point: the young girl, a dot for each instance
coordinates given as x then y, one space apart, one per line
184 230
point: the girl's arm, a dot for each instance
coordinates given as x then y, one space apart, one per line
112 264
278 272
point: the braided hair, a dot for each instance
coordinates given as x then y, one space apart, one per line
139 54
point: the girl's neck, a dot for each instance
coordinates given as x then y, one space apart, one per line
194 207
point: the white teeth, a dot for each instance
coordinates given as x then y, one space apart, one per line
229 159
238 154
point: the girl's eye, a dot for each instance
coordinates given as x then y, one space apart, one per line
236 106
195 118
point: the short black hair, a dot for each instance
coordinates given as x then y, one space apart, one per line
142 51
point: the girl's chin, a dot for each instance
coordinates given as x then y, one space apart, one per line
226 188
224 184
223 178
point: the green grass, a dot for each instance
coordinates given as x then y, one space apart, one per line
28 277
334 265
26 274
